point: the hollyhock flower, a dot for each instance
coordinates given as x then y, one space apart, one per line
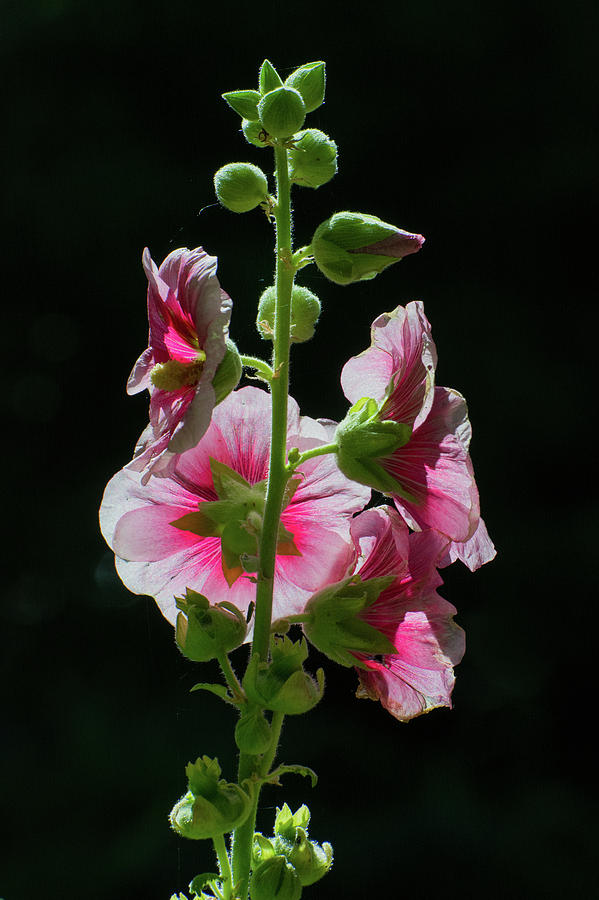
189 316
429 475
418 622
197 526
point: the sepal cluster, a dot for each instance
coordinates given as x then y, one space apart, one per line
205 632
335 625
282 685
211 806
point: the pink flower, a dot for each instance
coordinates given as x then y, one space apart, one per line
189 317
160 558
410 613
432 470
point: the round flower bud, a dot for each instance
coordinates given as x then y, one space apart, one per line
352 247
305 310
282 685
275 879
282 112
228 374
240 186
313 159
309 80
255 133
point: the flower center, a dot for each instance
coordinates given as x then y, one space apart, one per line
172 375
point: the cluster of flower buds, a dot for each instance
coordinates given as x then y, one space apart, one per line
211 806
286 863
305 310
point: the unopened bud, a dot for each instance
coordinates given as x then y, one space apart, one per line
305 310
352 247
309 80
211 806
241 187
312 159
269 78
252 733
255 133
282 685
282 112
203 631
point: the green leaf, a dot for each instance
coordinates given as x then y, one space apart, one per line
305 771
201 881
245 103
269 77
218 689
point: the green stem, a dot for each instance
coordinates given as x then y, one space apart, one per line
230 676
253 362
310 454
277 480
225 868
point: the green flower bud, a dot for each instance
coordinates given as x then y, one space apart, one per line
228 374
275 879
252 733
282 112
305 310
269 79
262 849
352 247
211 806
310 861
203 631
309 80
312 159
286 822
240 186
282 685
362 438
255 133
244 102
335 626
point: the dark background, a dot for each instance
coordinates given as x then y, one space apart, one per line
468 122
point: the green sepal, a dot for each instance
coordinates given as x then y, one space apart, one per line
245 103
282 685
228 373
275 879
286 822
262 849
219 690
310 861
335 626
269 78
304 771
282 112
309 80
252 733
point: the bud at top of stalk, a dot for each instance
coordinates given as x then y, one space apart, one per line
211 806
305 310
245 103
240 187
309 80
352 247
282 111
229 371
275 879
312 159
269 78
310 861
203 631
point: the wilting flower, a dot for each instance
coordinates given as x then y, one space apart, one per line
429 474
189 315
418 622
199 526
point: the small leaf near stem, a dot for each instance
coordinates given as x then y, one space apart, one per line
253 362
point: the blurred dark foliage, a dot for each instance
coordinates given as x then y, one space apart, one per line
468 122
